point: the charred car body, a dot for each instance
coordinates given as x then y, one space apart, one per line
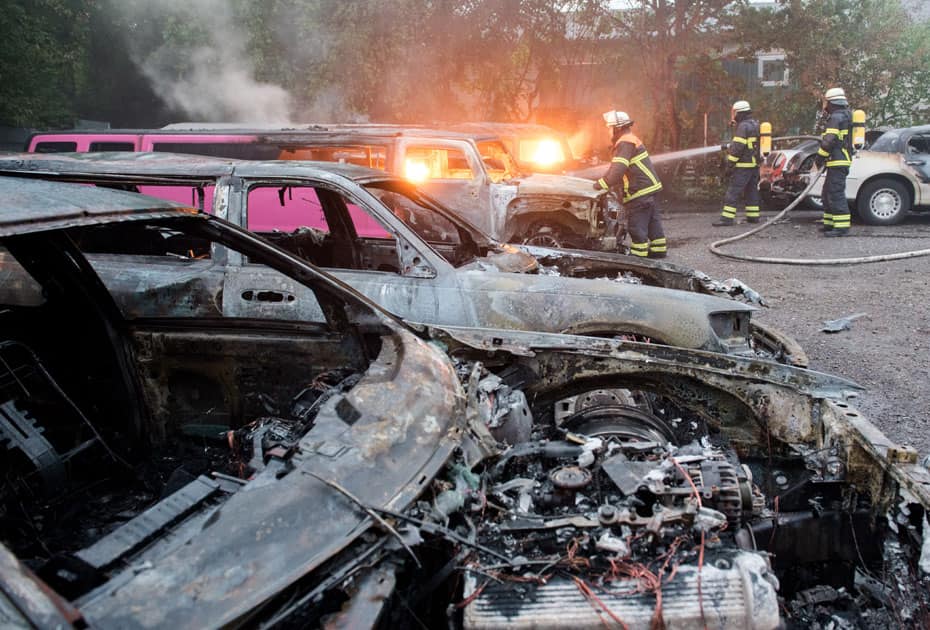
419 261
287 474
471 173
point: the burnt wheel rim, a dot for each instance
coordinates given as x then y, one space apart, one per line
543 239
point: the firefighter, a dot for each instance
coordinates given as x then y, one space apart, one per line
835 151
742 166
632 175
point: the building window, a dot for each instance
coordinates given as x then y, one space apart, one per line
772 69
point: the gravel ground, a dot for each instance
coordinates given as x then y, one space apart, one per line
887 350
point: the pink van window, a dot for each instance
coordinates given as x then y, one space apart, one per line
301 208
182 194
82 142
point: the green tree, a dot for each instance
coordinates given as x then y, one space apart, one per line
673 48
874 49
43 46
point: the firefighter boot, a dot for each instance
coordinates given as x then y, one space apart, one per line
727 217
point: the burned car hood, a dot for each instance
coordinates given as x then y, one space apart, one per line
595 306
508 258
373 445
556 185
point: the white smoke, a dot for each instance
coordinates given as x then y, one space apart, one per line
210 77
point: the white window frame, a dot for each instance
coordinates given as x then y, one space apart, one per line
760 67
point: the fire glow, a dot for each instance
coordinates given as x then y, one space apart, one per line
547 153
416 170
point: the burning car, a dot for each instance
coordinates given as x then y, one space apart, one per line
535 148
382 236
212 470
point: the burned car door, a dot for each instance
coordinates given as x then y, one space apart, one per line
344 235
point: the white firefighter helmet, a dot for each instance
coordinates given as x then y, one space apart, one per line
834 95
740 106
614 118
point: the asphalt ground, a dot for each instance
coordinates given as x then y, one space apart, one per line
886 350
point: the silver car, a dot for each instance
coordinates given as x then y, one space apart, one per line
379 235
891 178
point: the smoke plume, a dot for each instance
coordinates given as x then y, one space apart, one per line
195 54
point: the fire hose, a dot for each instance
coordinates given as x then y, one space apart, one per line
715 247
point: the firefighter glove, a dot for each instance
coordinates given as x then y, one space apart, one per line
597 186
819 161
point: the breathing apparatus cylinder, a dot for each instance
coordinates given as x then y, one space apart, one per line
858 129
765 138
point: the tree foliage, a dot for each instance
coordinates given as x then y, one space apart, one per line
874 49
147 62
43 51
673 47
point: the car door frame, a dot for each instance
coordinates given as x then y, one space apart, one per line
429 291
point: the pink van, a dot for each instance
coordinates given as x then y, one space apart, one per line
270 213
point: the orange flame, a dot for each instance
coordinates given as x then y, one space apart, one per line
416 171
548 153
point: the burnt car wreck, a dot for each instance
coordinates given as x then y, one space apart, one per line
231 471
422 262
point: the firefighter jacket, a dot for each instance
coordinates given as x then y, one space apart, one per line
836 141
743 151
631 169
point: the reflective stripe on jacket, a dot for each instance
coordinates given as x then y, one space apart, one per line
745 144
835 142
631 168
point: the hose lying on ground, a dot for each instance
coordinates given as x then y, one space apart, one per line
715 247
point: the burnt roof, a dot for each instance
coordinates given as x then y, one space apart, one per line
180 166
293 132
33 205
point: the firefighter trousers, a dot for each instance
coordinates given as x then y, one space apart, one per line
835 207
743 189
645 226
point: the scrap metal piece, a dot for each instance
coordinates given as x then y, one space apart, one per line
143 527
18 429
367 604
843 323
625 474
732 287
902 454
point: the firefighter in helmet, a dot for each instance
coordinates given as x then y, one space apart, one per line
742 166
632 175
835 151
